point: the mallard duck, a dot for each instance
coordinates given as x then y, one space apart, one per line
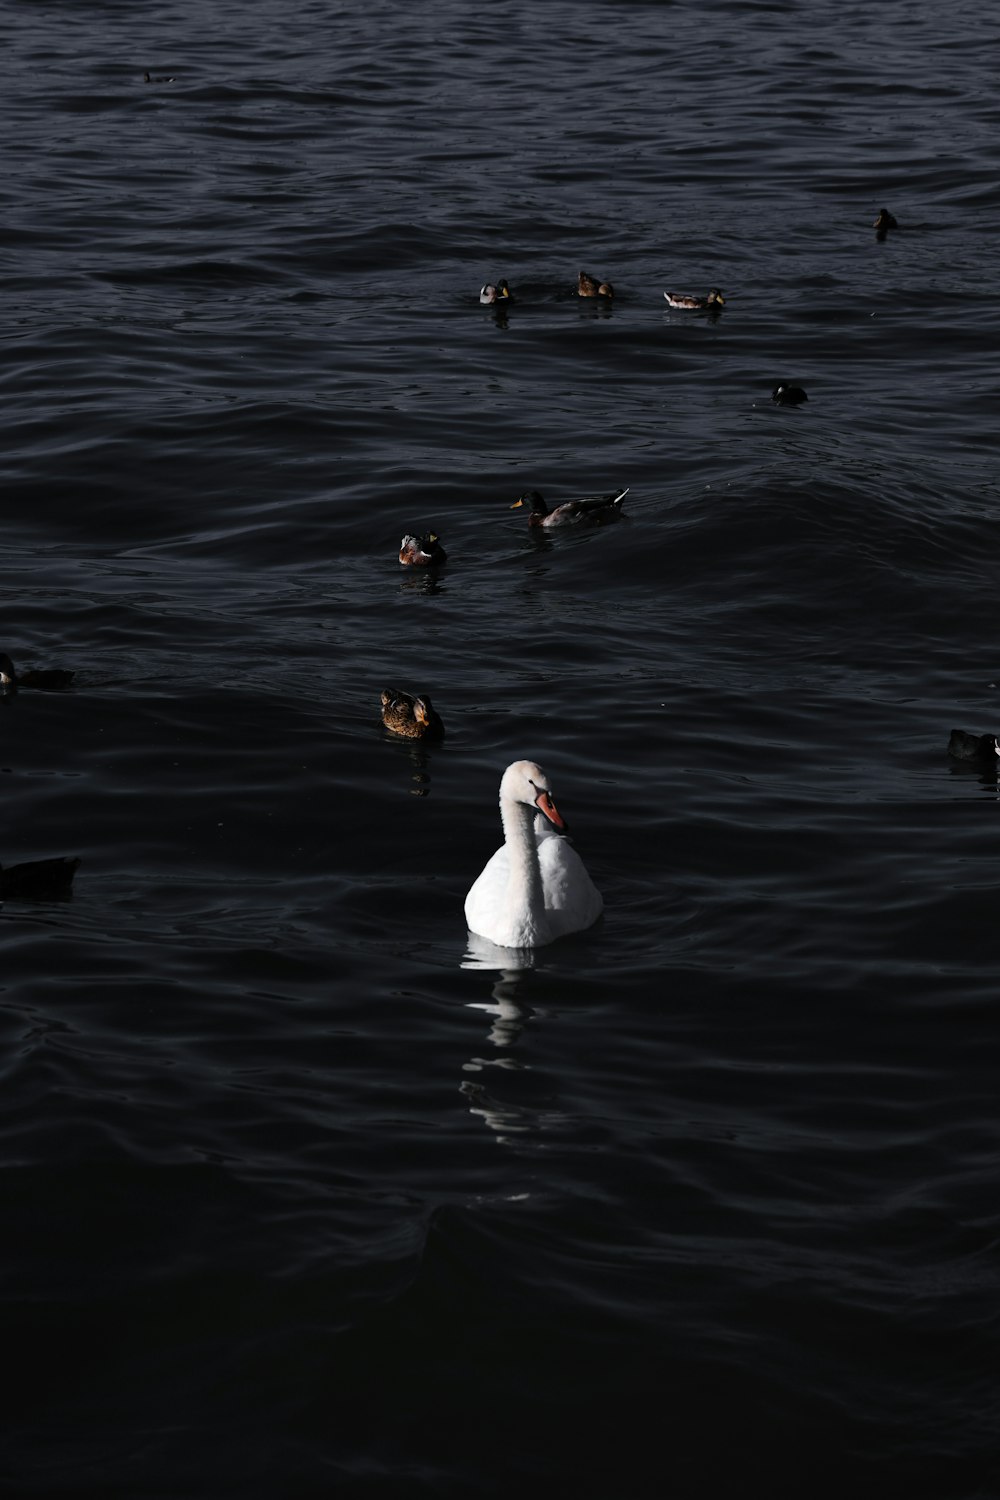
498 293
982 748
422 551
589 286
597 510
146 78
39 880
884 221
680 299
48 679
414 718
788 395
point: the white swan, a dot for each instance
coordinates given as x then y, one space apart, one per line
535 888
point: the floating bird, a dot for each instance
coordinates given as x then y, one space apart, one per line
714 299
422 551
884 221
981 748
147 79
788 395
498 293
39 880
595 510
535 888
589 286
48 679
413 718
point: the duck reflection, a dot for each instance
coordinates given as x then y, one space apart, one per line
421 582
419 761
602 307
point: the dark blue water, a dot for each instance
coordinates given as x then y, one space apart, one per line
303 1194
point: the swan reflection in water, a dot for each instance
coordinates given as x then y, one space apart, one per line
511 966
510 1015
513 1117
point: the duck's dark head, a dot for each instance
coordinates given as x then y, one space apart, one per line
533 500
788 395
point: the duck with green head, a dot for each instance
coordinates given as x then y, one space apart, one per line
592 510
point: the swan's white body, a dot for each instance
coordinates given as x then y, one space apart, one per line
535 888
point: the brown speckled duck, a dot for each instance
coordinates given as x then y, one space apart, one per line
422 551
38 880
47 679
589 286
415 718
697 304
594 510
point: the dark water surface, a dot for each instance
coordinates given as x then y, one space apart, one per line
303 1195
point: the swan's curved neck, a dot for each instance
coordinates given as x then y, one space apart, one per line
525 896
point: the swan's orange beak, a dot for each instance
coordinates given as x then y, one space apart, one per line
545 804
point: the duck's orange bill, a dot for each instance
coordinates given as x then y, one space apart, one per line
545 804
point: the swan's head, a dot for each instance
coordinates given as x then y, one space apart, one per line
525 781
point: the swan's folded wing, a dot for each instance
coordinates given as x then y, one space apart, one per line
570 895
483 903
